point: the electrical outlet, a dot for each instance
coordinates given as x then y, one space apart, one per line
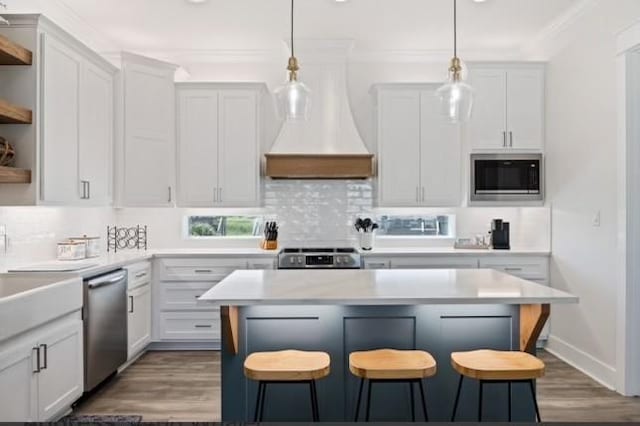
596 219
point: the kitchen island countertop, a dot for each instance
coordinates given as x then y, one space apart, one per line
380 287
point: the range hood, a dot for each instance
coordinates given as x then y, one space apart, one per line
328 146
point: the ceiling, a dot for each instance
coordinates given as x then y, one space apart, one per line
141 25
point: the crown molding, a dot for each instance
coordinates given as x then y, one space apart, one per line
545 43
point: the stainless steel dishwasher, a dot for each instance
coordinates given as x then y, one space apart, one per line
105 326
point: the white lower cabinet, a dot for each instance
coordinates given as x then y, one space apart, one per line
445 262
178 318
41 372
139 308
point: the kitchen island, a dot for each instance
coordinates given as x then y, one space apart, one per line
341 311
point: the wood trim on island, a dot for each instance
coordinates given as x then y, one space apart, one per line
532 321
229 315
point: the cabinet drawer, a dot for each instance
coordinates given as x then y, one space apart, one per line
181 295
435 263
536 269
377 264
198 269
262 264
190 326
138 274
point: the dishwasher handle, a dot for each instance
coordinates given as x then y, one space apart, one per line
106 280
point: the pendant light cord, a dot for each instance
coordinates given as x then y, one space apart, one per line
292 21
455 28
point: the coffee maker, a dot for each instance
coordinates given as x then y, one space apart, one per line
500 239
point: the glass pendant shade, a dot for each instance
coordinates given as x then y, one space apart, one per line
456 100
294 101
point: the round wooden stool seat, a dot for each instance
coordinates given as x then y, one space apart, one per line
391 364
497 365
287 366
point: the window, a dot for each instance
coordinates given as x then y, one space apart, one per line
223 226
416 226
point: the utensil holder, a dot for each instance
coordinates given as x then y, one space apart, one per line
366 240
269 245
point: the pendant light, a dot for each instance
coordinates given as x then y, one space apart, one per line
456 96
294 97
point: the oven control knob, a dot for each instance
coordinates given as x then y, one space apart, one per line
338 260
300 261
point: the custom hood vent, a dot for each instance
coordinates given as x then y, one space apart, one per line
328 146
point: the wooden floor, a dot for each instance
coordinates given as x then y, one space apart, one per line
185 386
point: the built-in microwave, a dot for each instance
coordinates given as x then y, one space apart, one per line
507 177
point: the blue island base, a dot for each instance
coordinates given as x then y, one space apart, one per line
340 330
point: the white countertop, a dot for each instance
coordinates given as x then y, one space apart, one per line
379 287
450 251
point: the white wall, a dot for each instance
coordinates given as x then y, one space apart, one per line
33 232
582 181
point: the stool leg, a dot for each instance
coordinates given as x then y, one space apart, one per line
480 401
455 404
314 401
359 399
413 403
424 402
509 390
368 402
535 400
258 398
264 393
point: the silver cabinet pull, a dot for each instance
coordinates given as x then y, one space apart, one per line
511 139
513 269
85 195
45 350
170 194
504 139
203 271
131 308
377 265
202 326
37 349
141 274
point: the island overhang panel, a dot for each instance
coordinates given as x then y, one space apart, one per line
338 312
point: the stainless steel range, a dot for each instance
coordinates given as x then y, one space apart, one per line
319 258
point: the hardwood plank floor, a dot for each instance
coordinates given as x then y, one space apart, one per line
185 386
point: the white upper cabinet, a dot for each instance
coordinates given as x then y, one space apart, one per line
419 155
77 124
146 161
508 113
96 135
218 140
62 68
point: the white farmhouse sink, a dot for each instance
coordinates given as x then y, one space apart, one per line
29 300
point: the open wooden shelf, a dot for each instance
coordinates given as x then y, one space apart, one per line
14 54
12 114
14 175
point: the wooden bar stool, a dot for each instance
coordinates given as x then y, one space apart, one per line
286 367
497 367
392 366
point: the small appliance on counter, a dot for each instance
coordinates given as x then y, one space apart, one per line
366 228
270 241
500 239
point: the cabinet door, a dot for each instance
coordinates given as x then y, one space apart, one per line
96 134
487 129
61 68
525 108
238 167
441 156
60 383
139 319
149 152
18 383
399 148
198 147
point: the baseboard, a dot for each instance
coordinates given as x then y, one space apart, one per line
184 346
582 361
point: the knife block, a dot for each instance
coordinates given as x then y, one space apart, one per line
269 245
